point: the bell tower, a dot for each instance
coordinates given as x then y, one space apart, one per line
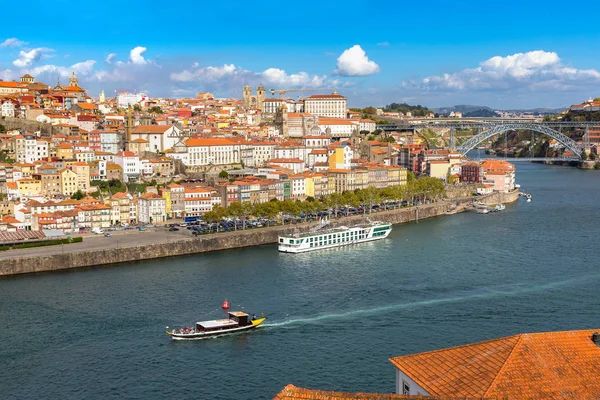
247 95
73 81
261 95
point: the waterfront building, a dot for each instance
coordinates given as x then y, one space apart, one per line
200 200
174 195
152 209
326 105
499 174
471 172
546 365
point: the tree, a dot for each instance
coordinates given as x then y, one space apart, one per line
223 174
155 110
137 108
370 110
78 195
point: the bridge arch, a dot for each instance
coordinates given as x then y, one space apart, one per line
497 129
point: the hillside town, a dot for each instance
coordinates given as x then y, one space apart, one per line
74 163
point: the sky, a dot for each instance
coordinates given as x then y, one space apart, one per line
506 55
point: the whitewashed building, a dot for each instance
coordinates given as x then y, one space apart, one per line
152 209
326 105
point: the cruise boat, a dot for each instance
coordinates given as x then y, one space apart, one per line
236 322
323 238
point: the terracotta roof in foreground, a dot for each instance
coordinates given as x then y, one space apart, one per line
546 365
292 392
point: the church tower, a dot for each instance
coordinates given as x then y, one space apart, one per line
247 95
73 81
102 99
261 95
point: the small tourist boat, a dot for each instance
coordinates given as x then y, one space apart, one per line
236 322
500 207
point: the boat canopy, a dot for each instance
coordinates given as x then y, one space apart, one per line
218 323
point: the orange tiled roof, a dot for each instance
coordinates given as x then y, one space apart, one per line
526 366
291 392
154 129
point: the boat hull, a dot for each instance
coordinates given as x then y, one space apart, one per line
284 249
210 334
336 237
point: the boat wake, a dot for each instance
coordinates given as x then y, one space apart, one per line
490 293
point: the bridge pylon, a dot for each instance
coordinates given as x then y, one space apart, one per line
587 148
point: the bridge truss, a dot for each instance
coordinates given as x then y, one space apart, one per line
489 129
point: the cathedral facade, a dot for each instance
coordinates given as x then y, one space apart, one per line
254 101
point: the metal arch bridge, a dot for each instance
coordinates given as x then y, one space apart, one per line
493 128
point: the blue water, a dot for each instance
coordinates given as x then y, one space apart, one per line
335 316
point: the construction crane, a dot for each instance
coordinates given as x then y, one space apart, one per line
283 92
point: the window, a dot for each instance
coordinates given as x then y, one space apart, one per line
405 388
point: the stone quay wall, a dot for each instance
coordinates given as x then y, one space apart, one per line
201 244
223 241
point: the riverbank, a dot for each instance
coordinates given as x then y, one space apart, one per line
96 251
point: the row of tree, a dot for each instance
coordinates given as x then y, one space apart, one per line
422 189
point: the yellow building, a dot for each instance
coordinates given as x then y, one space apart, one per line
438 169
68 182
336 160
166 194
64 151
29 187
83 176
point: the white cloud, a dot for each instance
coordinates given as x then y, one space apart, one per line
136 56
535 70
232 73
12 42
383 44
354 62
109 58
26 58
50 72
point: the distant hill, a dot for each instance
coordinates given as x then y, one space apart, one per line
464 109
482 113
417 111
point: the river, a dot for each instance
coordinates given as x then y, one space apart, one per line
335 316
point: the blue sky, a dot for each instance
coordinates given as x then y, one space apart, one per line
510 54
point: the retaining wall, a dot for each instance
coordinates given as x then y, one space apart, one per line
201 244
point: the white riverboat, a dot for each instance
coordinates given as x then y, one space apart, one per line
323 238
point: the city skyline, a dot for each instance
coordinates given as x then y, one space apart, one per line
508 56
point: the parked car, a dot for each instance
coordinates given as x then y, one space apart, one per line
173 229
107 234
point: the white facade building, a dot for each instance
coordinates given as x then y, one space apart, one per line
159 137
201 152
129 99
326 105
130 163
8 109
29 149
338 127
152 208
